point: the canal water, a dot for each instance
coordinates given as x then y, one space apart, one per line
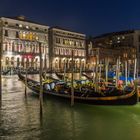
19 118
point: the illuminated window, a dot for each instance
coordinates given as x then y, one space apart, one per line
82 44
7 60
37 38
30 36
20 25
24 35
20 35
70 42
66 42
77 43
83 53
118 38
63 41
27 27
27 36
123 37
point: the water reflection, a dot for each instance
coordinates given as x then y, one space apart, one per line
19 118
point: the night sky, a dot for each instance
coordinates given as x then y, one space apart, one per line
92 17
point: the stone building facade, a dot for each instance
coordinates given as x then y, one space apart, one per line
20 43
61 44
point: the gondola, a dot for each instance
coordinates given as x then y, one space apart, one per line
114 97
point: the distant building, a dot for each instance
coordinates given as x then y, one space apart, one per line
61 44
20 42
124 44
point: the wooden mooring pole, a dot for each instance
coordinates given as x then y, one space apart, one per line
106 70
135 68
126 72
41 86
1 47
0 75
26 78
72 87
64 70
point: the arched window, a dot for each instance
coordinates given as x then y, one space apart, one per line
7 61
12 60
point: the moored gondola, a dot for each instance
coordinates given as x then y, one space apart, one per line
111 96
